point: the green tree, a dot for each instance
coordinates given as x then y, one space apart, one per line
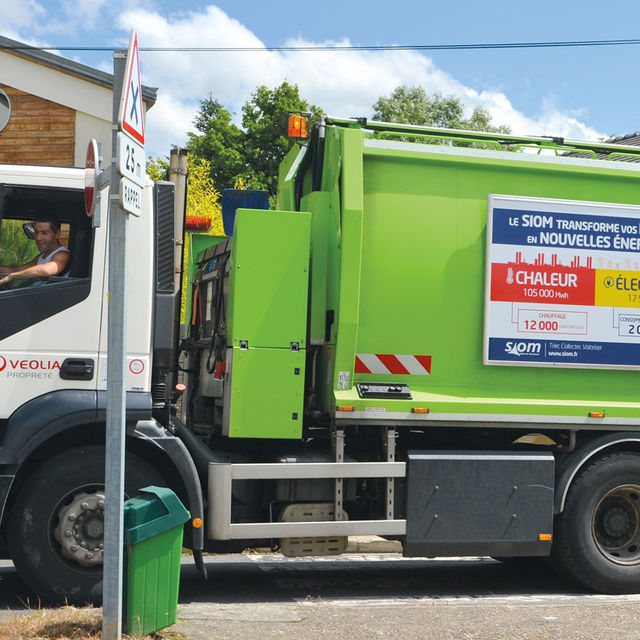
203 200
157 168
412 105
203 214
15 247
254 152
265 119
219 141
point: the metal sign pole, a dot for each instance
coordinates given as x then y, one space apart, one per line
116 396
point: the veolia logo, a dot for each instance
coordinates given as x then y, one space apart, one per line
28 365
522 348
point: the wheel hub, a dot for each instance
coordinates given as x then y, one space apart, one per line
617 522
616 525
80 529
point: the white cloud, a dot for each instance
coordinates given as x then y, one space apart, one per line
64 20
83 14
342 83
21 14
167 124
230 76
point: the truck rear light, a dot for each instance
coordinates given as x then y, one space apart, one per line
297 126
221 368
545 537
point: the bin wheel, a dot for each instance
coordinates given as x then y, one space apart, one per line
597 537
56 524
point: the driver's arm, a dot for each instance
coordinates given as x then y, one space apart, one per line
54 267
4 270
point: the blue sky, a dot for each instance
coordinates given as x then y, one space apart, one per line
579 93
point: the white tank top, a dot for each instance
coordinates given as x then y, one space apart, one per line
43 260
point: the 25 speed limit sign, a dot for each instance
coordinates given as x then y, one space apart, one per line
131 160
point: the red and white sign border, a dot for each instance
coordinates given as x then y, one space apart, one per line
132 74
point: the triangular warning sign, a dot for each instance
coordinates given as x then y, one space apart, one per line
131 119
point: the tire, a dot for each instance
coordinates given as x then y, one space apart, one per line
597 537
56 523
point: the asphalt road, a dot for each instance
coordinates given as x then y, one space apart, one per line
371 596
364 597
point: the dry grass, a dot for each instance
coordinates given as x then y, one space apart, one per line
66 623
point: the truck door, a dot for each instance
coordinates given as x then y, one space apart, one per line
141 284
49 327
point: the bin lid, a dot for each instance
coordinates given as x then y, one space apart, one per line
152 512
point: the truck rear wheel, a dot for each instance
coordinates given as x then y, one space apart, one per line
597 537
57 521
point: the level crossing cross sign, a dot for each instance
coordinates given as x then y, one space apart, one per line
131 118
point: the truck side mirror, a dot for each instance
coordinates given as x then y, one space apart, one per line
29 230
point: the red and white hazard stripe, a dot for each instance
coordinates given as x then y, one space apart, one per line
385 363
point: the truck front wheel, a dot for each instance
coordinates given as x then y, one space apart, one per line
57 522
597 537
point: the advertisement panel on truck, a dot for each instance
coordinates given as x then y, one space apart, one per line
562 283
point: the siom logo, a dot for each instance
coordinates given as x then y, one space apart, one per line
3 363
523 348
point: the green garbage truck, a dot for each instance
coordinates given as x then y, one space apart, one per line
434 337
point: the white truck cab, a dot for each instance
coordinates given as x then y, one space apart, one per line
53 337
53 357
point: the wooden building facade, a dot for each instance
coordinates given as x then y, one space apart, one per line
56 106
39 131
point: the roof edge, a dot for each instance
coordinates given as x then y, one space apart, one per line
22 50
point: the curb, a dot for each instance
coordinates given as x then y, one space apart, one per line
355 544
372 544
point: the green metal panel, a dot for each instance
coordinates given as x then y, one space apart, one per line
318 201
421 276
405 232
268 290
267 393
350 269
269 279
287 177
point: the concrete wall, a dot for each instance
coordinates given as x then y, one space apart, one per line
86 127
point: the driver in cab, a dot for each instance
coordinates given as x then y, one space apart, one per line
51 261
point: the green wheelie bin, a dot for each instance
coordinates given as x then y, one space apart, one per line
153 527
